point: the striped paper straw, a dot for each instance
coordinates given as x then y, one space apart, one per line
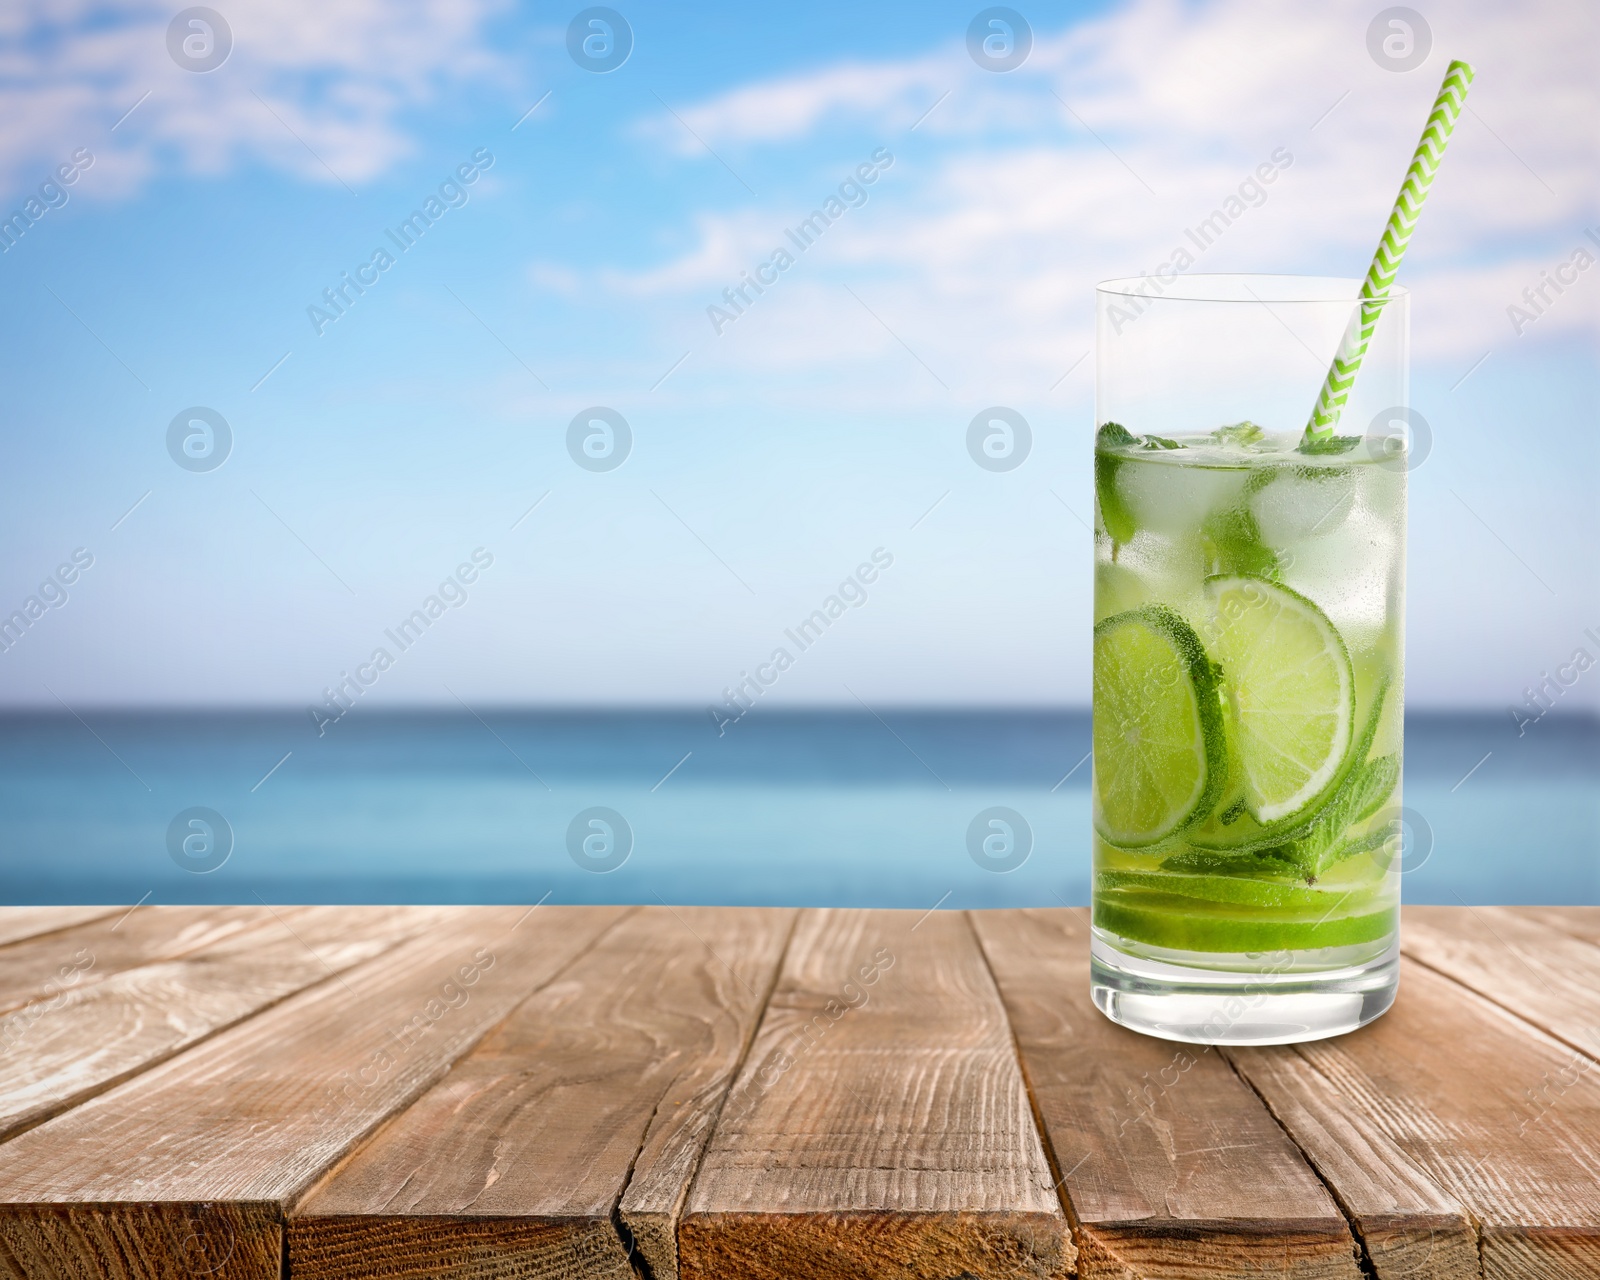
1386 262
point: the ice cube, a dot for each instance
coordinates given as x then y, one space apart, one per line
1299 503
1118 588
1172 498
1351 574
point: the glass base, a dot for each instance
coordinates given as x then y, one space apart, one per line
1274 998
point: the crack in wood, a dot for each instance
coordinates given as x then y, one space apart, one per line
1364 1255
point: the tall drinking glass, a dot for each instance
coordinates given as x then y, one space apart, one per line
1248 660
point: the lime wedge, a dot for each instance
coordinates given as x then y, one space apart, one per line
1159 752
1290 694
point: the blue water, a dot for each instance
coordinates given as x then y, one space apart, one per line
820 808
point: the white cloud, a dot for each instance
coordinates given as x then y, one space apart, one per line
1019 191
315 87
794 106
727 245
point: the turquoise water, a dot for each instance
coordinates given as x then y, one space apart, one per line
809 808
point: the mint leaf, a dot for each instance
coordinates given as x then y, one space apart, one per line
1245 432
1374 783
1114 515
1361 844
1160 442
1329 445
1324 842
1232 539
1232 542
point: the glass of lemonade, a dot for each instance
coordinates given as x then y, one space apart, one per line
1248 660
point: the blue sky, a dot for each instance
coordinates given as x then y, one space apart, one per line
770 459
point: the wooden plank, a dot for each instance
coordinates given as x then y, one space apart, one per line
85 1039
879 1127
515 1162
1580 922
185 1242
17 923
652 1204
240 1126
1548 977
1409 1228
44 967
1172 1165
1503 1120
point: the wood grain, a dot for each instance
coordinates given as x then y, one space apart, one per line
42 968
184 1242
746 960
1550 978
1172 1165
28 922
255 1114
87 1038
1503 1119
514 1164
416 1110
879 1127
1580 922
1409 1228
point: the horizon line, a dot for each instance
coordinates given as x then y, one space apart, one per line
458 707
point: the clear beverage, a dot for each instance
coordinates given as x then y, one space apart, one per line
1248 699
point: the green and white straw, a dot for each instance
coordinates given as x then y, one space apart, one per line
1386 262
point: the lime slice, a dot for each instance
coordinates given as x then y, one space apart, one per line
1290 694
1228 891
1184 924
1159 752
1232 834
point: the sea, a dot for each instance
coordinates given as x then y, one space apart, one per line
916 809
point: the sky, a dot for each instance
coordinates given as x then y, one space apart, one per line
368 451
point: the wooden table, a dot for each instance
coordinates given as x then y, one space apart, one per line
717 1093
